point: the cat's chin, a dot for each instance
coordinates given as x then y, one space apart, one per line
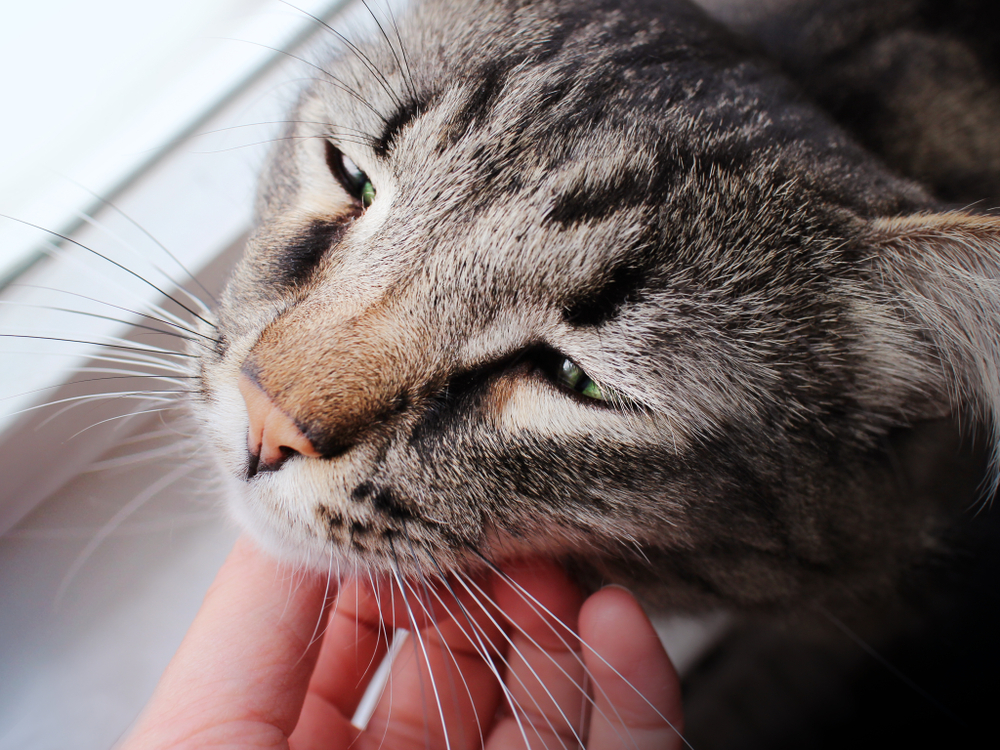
275 538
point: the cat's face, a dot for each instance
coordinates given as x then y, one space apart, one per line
562 278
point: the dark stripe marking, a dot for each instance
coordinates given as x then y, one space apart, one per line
292 263
487 85
602 303
623 190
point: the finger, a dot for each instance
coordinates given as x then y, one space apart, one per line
545 672
636 690
354 644
244 665
440 681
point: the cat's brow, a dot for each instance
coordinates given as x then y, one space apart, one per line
489 82
626 188
606 296
394 125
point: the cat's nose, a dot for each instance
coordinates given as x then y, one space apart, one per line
273 437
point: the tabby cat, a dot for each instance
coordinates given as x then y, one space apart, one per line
594 279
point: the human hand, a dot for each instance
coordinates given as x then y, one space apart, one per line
253 671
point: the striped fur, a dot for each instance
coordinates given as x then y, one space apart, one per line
623 184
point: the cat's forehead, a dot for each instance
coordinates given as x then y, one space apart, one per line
546 150
581 110
537 135
543 77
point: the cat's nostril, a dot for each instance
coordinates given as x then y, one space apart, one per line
272 437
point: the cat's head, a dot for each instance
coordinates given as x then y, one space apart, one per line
583 278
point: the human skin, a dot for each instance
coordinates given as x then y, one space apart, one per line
276 659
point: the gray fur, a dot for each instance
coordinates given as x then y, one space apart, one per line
623 183
914 80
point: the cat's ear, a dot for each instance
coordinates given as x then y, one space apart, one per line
943 270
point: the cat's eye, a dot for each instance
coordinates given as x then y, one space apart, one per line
575 379
350 176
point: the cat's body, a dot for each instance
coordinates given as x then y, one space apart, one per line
914 80
783 334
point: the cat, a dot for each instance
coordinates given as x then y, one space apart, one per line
595 280
589 280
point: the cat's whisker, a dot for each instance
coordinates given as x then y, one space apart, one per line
110 204
167 317
319 629
129 415
466 581
366 61
116 264
476 635
121 347
633 542
394 641
413 632
405 69
127 376
381 628
364 137
187 447
324 124
129 248
540 608
142 365
98 316
278 139
392 50
422 646
446 648
391 649
428 592
132 359
112 340
329 77
156 434
175 322
72 401
874 654
117 372
562 634
363 140
141 528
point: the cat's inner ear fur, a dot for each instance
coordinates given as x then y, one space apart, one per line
944 271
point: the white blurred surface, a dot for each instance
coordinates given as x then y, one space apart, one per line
102 571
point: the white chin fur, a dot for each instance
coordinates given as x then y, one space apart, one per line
276 538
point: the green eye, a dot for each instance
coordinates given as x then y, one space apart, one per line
361 187
350 176
577 380
367 194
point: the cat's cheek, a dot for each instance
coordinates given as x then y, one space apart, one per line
530 405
